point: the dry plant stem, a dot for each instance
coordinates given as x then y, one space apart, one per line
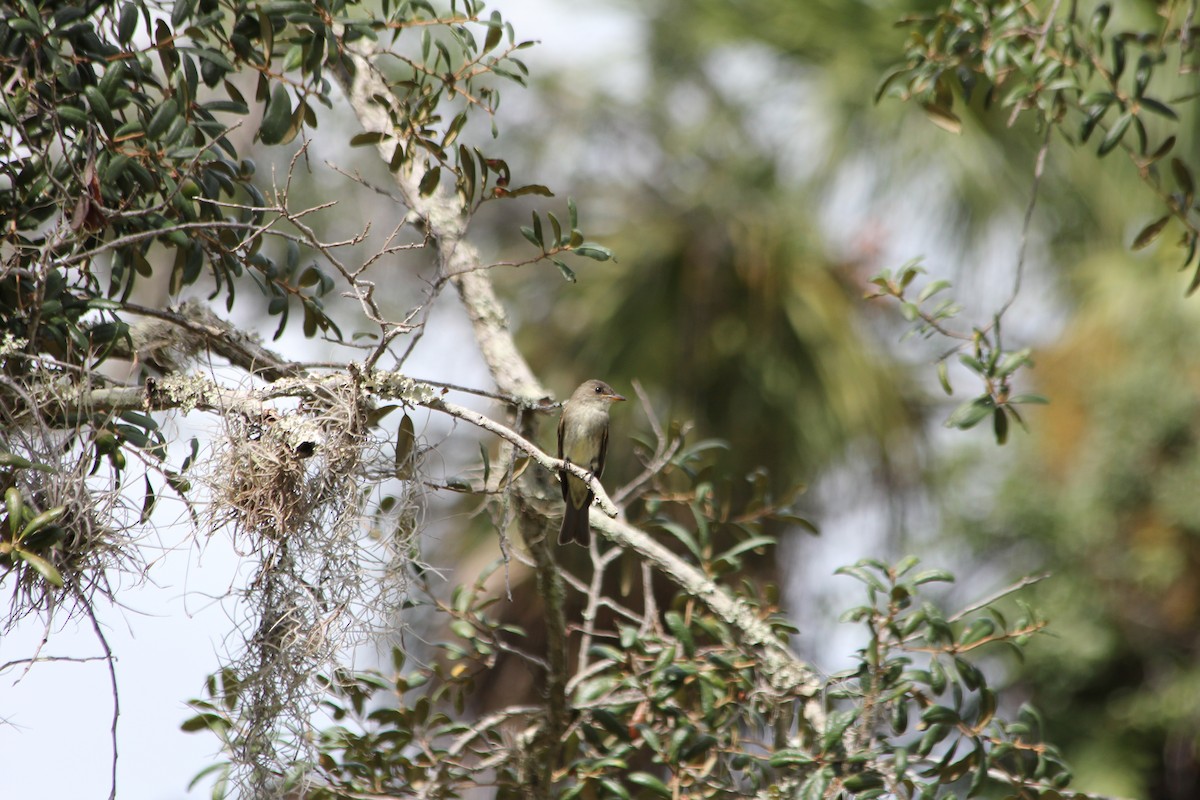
112 677
600 562
223 339
7 665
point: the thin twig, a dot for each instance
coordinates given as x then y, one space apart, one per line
1028 580
112 677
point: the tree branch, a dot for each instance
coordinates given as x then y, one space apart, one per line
785 670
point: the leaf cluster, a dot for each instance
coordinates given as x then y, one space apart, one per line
1077 76
986 356
679 708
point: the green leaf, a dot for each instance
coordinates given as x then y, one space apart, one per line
933 288
680 533
835 726
42 520
593 251
405 441
535 188
943 374
1158 107
537 230
935 734
128 23
367 137
566 271
531 235
44 567
1183 177
979 629
932 575
615 788
789 757
1026 399
816 784
973 364
649 782
495 31
1115 133
680 631
429 181
99 106
971 413
1014 361
1151 232
278 116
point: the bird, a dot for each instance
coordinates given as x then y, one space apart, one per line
583 440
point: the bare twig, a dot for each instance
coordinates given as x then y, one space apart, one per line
110 660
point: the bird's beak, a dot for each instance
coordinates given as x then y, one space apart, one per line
616 398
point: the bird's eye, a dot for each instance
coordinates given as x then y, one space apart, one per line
599 390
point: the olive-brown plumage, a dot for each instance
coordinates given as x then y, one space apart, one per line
583 440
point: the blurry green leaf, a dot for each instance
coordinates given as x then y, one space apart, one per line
495 31
593 251
278 116
1183 177
971 413
790 757
680 533
943 374
816 784
835 726
746 545
367 137
1115 133
1158 107
615 788
1151 232
931 289
943 117
128 22
430 180
940 714
1026 399
1000 425
979 629
43 567
537 189
932 575
566 271
680 631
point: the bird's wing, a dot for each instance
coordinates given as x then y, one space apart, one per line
562 473
599 470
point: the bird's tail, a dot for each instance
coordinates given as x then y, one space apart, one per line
575 525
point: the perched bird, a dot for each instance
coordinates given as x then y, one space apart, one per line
583 440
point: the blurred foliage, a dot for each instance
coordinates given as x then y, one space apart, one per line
1105 498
